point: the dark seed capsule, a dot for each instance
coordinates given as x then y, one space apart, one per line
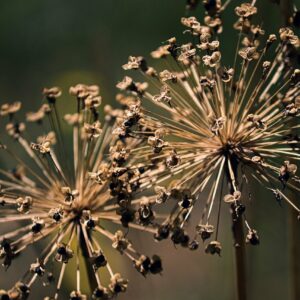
4 295
117 288
178 235
57 217
127 216
162 233
24 289
99 261
62 250
194 245
145 215
213 247
252 237
156 265
240 209
146 263
5 245
100 293
205 235
185 241
141 170
90 224
36 228
50 277
186 203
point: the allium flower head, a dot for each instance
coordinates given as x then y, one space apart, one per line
218 128
66 193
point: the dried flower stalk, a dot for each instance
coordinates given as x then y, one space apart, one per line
218 128
67 196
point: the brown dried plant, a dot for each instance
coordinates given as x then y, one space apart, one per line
216 128
69 194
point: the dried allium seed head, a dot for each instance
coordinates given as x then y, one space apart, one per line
223 126
63 191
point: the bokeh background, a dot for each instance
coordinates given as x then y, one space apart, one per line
47 43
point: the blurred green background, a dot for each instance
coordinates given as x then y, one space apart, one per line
46 43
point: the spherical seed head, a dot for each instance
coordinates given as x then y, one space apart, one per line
224 127
63 198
